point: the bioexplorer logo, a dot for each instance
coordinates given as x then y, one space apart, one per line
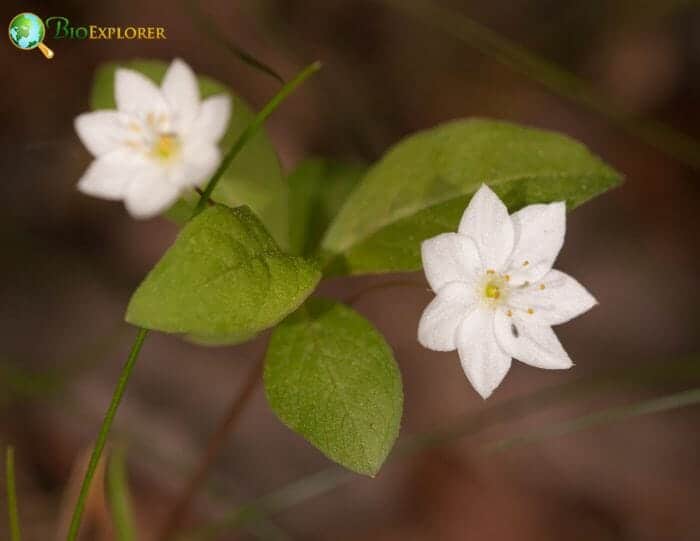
27 31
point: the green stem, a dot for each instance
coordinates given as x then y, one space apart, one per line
252 130
119 497
104 432
12 510
247 134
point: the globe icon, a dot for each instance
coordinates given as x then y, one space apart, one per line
27 32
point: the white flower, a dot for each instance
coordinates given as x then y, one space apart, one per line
157 144
497 294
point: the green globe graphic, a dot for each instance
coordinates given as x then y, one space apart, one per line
26 30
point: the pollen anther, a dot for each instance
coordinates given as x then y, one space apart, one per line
530 311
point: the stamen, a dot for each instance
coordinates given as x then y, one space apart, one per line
134 126
530 311
541 286
507 277
526 263
490 271
509 313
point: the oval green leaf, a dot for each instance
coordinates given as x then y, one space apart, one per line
423 184
331 377
254 179
222 281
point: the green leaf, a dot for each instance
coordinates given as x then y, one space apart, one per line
331 377
222 281
120 497
423 184
254 179
317 190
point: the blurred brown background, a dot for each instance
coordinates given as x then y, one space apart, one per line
69 264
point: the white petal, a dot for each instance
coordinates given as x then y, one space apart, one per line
212 120
450 257
484 362
539 235
530 342
137 94
487 222
200 162
438 324
181 90
101 131
108 175
555 299
150 194
196 165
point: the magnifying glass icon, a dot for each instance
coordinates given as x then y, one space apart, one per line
27 31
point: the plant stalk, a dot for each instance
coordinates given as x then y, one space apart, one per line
252 130
13 512
104 432
247 134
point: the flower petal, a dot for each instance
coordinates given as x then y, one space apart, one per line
486 221
108 175
555 299
484 362
101 131
212 120
137 94
450 257
530 342
181 90
149 194
539 236
438 324
199 161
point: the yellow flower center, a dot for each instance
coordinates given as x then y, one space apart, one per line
492 291
165 147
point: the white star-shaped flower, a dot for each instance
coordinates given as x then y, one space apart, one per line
157 144
497 294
